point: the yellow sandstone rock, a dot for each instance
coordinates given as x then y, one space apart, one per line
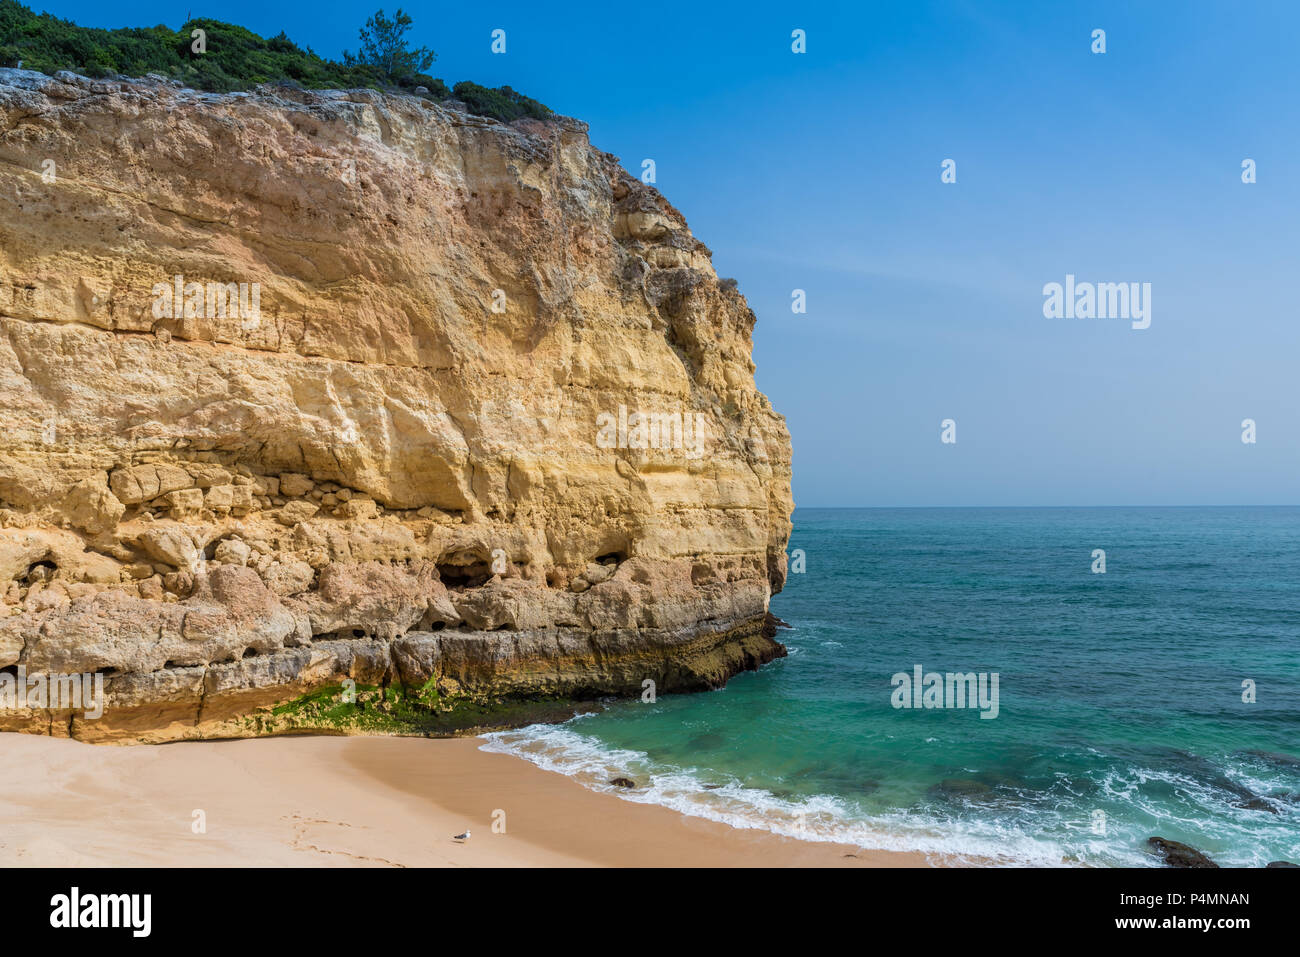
298 386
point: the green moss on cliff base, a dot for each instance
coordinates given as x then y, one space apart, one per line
402 711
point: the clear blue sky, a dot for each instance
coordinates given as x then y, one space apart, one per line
821 171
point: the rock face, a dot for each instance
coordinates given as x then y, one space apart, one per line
296 387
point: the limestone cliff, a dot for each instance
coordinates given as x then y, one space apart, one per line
481 418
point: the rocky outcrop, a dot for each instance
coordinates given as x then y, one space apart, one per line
298 387
1177 854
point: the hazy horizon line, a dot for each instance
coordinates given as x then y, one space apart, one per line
831 508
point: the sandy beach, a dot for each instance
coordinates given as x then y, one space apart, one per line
346 802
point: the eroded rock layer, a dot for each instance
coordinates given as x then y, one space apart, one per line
481 418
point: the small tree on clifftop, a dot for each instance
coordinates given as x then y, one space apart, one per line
383 46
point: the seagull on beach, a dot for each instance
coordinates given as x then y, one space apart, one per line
461 837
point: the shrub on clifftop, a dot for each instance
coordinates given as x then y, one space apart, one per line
502 103
233 58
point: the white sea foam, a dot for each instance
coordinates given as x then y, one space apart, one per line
820 817
1040 828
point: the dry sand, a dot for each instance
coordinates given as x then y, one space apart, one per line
349 801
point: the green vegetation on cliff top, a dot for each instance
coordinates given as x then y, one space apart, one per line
236 59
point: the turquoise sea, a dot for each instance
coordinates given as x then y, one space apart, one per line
1120 694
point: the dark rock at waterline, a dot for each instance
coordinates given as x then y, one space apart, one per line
623 782
771 624
1176 854
1281 864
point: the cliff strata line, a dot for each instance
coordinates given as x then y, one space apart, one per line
390 471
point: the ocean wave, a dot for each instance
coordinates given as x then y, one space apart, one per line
821 817
1022 827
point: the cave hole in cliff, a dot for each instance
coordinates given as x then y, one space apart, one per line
459 570
611 558
249 653
41 571
460 577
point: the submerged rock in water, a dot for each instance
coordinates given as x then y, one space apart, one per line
1177 854
1274 758
1206 771
625 783
960 789
1281 864
1256 803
